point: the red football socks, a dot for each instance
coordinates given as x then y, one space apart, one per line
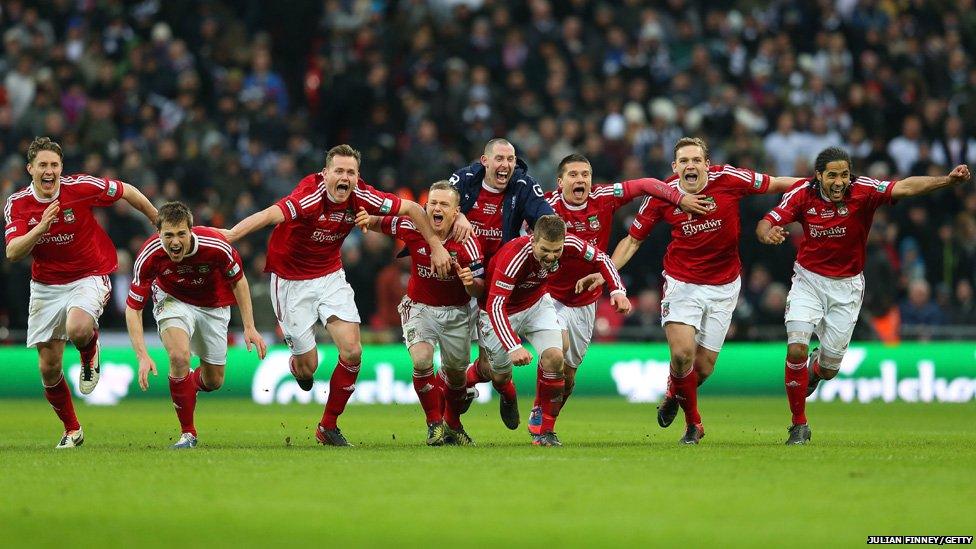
796 390
429 393
59 395
686 388
87 350
341 386
453 400
197 376
473 376
551 399
184 394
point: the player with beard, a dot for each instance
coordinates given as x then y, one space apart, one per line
701 270
435 312
588 212
517 304
194 276
498 198
308 284
52 221
835 209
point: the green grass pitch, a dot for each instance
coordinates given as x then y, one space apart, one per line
258 479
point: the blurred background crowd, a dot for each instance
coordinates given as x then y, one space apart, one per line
227 104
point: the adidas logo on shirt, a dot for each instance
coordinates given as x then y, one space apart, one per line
33 221
812 211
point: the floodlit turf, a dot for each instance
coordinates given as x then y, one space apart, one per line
258 478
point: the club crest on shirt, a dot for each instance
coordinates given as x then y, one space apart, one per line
348 217
203 269
594 222
69 215
842 209
712 206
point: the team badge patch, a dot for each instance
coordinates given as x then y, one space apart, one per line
712 205
589 254
203 269
757 181
618 189
69 215
594 222
842 209
113 188
386 207
665 309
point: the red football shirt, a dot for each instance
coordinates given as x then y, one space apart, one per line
76 246
835 236
424 285
516 280
307 244
203 278
485 217
591 221
703 249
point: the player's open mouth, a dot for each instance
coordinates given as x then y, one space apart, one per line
579 192
342 187
47 181
438 219
691 177
176 250
501 176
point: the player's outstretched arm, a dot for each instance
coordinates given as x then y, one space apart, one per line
133 323
271 215
440 260
767 233
919 184
242 292
137 200
779 185
625 250
20 247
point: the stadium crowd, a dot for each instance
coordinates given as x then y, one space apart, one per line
226 105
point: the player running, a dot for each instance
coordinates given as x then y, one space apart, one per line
51 220
308 284
194 276
517 305
435 312
588 212
701 270
498 197
835 209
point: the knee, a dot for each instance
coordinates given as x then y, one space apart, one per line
423 363
79 334
351 353
797 352
570 376
213 381
179 362
50 372
552 360
682 358
501 377
455 376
